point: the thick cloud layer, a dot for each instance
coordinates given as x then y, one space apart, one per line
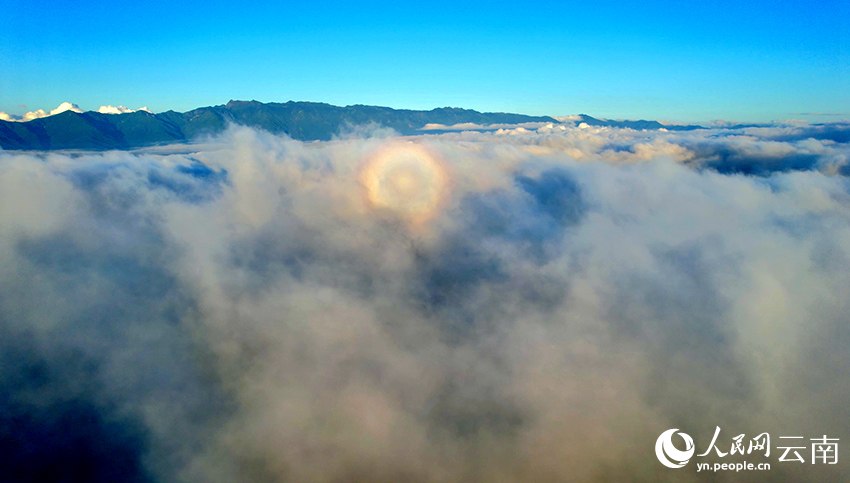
245 310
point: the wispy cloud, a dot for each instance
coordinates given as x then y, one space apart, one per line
471 126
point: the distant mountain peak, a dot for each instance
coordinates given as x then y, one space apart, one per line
118 127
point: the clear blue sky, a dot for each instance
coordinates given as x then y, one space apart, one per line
675 60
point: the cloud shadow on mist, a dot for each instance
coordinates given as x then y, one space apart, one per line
55 427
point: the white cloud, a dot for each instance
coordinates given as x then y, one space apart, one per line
114 110
109 109
39 113
570 118
67 106
471 126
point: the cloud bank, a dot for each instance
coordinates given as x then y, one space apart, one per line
541 306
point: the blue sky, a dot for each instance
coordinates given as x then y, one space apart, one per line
681 61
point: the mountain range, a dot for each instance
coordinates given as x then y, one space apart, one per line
307 121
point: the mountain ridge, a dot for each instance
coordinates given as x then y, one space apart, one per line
302 120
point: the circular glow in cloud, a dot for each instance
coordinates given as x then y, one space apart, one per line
406 179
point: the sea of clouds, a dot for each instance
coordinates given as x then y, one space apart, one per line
236 310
